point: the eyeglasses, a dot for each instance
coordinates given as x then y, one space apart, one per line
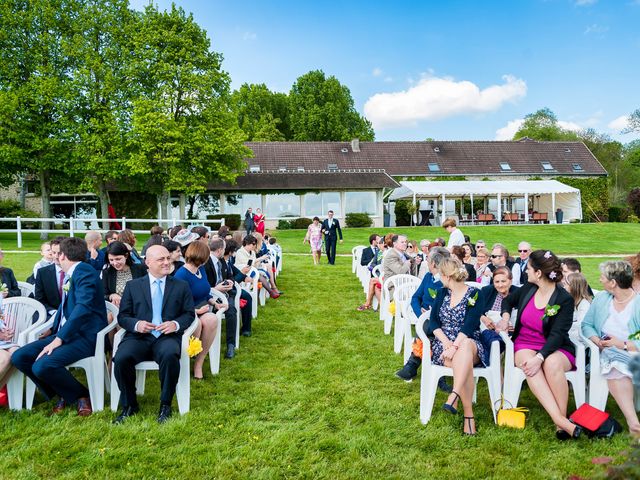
496 256
523 251
410 246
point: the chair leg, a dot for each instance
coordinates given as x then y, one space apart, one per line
398 333
15 390
512 387
141 377
115 394
30 393
579 391
183 391
214 351
493 382
428 387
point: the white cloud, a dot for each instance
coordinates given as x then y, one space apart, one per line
433 98
619 124
596 29
388 79
509 130
249 36
584 3
376 72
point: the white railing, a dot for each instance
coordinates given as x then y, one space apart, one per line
73 228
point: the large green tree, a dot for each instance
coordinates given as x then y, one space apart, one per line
543 125
36 67
262 115
183 133
322 109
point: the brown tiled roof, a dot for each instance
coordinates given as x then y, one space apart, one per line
315 180
462 158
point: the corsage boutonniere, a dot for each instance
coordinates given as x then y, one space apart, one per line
67 286
635 336
472 301
432 293
4 288
551 311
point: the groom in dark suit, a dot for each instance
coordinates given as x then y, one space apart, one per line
155 310
78 320
331 229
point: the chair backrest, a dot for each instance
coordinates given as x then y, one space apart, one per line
20 313
113 310
474 285
377 272
397 281
356 253
404 292
26 289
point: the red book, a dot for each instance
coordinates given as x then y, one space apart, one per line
589 417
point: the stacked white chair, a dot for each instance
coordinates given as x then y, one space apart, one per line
183 388
95 367
377 273
402 297
26 289
514 376
431 374
214 351
18 315
356 253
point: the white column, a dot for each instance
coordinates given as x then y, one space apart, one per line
444 209
553 208
302 212
222 200
415 215
461 207
499 215
182 201
473 212
526 208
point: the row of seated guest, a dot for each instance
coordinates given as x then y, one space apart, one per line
246 256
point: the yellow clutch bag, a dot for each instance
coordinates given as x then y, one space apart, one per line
511 417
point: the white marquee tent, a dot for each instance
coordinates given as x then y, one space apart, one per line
544 195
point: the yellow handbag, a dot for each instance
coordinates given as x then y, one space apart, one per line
511 417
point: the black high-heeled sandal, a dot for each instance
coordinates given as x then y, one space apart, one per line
448 407
468 420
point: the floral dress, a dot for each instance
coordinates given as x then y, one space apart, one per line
314 235
452 319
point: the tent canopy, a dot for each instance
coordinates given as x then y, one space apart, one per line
480 188
548 194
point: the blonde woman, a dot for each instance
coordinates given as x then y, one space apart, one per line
455 323
577 286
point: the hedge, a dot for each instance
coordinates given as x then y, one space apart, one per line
358 220
295 224
11 208
595 196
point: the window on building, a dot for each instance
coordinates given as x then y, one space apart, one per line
504 166
332 167
434 167
280 205
254 168
361 202
239 203
318 204
577 167
547 167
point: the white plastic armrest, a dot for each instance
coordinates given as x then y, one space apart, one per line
426 343
188 332
24 336
117 339
580 350
101 334
34 332
593 349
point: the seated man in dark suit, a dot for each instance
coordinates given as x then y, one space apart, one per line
48 290
155 310
371 251
80 317
231 272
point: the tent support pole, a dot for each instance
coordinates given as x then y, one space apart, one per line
473 216
444 208
526 208
553 208
499 208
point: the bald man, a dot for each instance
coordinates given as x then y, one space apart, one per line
95 256
155 310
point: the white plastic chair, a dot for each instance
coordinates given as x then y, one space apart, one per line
26 289
95 367
514 376
598 390
402 297
214 351
252 289
409 318
385 297
183 388
474 285
18 315
377 272
431 374
356 253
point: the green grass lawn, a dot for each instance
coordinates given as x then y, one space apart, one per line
312 395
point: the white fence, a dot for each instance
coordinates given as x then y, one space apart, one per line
76 228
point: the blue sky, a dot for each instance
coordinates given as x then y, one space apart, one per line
459 70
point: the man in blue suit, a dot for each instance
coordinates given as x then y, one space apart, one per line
78 320
155 310
331 229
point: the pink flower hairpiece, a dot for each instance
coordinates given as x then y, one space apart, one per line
553 275
547 255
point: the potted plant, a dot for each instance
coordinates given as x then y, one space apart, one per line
559 215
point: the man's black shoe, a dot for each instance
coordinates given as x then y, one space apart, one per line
246 334
165 413
124 414
231 351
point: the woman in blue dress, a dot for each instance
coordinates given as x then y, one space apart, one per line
455 323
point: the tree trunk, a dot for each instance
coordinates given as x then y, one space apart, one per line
45 187
164 205
103 196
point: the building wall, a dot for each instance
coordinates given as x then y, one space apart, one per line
12 192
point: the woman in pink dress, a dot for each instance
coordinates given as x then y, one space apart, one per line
258 219
543 349
314 237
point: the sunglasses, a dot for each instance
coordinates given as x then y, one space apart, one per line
496 256
523 251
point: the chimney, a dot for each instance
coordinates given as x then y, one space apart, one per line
355 145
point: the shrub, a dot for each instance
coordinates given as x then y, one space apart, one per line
618 213
594 193
300 223
403 213
11 208
358 220
284 225
634 200
633 218
231 220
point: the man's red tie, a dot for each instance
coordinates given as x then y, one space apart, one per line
60 283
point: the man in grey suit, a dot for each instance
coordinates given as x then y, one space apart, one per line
396 261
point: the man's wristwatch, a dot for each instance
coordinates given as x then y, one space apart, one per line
626 347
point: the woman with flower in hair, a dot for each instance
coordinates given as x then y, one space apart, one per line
613 324
455 324
542 346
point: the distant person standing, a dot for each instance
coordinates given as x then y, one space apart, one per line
258 220
249 226
331 229
456 238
